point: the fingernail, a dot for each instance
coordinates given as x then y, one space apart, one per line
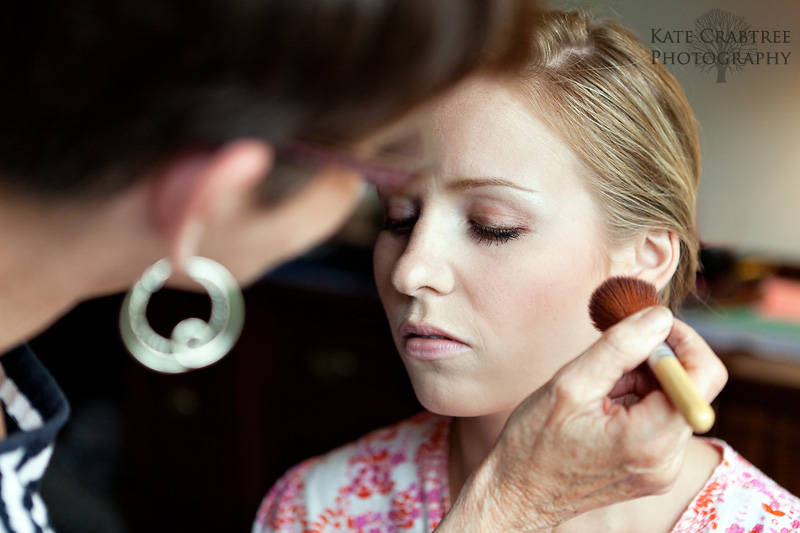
657 319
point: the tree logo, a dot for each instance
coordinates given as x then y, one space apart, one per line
725 38
721 42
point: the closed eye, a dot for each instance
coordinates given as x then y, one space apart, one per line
399 226
493 235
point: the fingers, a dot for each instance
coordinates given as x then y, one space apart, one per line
621 349
705 369
655 415
638 382
605 368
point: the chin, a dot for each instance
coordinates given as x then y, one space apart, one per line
449 399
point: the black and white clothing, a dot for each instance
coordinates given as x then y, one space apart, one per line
35 410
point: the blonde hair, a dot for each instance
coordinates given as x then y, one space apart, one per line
628 119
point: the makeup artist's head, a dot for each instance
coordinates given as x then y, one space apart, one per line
186 107
131 130
583 166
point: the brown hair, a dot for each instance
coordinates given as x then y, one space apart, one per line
628 119
97 92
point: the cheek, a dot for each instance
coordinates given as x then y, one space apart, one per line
538 303
537 310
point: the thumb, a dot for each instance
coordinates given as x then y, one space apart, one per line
622 348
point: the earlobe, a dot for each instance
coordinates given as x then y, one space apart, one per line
196 187
657 257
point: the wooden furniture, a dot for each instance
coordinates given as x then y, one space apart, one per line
758 413
747 367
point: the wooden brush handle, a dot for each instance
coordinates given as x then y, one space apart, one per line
680 390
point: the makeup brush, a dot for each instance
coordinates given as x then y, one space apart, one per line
619 297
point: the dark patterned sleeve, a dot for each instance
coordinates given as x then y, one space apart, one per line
35 410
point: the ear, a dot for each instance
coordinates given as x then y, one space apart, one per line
196 186
656 257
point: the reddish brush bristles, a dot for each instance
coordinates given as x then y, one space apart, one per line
620 297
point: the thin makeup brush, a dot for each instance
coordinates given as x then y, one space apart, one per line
619 297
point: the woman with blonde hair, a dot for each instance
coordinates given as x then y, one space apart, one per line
582 166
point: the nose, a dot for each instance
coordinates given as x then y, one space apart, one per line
425 265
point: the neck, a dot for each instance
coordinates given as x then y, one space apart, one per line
471 440
55 255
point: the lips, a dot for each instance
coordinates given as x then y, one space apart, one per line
425 342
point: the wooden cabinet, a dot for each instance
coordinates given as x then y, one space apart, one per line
758 413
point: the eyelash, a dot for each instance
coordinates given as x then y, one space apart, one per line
482 234
398 226
488 235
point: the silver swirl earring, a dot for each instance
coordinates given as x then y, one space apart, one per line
193 343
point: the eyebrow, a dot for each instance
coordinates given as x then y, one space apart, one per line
463 184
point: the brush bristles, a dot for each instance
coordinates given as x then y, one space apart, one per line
618 298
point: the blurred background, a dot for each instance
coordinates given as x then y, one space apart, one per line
750 124
316 367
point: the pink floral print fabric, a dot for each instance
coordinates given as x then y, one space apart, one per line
395 480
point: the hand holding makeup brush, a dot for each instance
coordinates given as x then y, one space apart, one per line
619 297
568 448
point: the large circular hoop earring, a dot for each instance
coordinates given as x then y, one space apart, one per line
193 343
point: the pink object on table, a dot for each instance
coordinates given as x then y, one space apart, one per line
781 299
